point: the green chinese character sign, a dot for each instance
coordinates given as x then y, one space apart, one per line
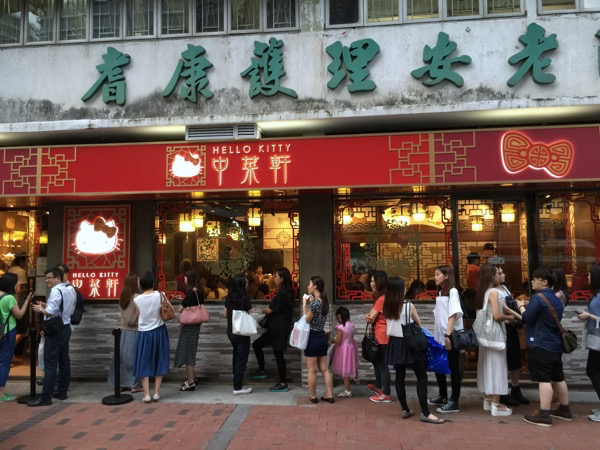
111 78
355 59
193 68
536 43
266 70
440 63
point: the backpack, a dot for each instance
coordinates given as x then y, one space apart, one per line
79 308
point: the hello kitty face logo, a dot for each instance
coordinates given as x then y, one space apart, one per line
186 165
97 238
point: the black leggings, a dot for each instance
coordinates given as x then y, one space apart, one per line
593 369
454 361
382 370
420 370
262 342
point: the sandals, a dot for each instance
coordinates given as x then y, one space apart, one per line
188 387
147 399
344 394
136 390
155 397
426 419
314 399
196 381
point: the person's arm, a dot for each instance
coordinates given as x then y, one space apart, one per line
338 336
496 309
308 314
52 307
529 315
20 312
415 315
225 312
587 316
372 316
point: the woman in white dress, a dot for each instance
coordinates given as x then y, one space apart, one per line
492 369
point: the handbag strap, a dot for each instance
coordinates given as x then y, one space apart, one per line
406 306
553 312
197 298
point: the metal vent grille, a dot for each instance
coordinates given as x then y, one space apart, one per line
222 132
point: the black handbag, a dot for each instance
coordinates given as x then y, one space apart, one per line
512 304
370 346
264 321
414 338
463 339
54 325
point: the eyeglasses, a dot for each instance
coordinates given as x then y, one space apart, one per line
50 278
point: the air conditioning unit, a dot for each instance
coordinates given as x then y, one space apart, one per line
222 132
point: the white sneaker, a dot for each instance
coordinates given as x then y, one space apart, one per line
595 411
595 417
487 405
496 412
243 390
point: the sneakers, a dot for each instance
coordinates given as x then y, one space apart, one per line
497 412
563 412
595 411
540 418
595 417
487 405
344 394
437 401
279 387
374 389
7 398
450 407
259 375
243 390
381 398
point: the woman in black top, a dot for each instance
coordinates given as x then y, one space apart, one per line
237 300
187 345
279 314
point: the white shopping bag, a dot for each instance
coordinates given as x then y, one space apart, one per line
41 353
243 324
299 336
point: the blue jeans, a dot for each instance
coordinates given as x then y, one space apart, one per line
241 350
7 347
56 356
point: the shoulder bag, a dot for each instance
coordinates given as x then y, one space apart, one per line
370 346
569 340
54 325
166 309
463 339
489 332
414 338
591 341
194 315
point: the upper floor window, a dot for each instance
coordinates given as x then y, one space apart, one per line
210 16
139 18
557 6
257 15
10 22
40 21
73 20
175 17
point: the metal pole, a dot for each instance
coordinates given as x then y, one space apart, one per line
117 398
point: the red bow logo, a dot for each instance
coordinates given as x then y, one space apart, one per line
100 225
518 153
188 157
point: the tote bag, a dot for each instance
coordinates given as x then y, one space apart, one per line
414 339
166 309
194 315
242 323
489 332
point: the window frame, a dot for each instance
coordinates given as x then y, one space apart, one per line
195 31
487 14
448 18
265 17
406 20
155 35
365 15
121 23
345 25
541 12
25 13
21 33
159 18
59 8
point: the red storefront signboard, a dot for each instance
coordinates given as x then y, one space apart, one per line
444 158
96 249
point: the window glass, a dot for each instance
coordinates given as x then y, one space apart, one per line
343 12
590 4
10 22
175 16
281 14
73 19
40 23
139 17
106 19
383 11
558 5
210 16
460 8
245 15
422 9
503 6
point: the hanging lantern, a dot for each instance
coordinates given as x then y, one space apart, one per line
419 214
347 216
213 228
477 223
185 223
254 217
295 219
396 216
197 218
44 238
507 213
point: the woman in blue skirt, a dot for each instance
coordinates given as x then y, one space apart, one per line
152 340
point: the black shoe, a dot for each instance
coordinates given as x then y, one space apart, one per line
314 400
438 400
39 402
259 375
508 401
279 387
40 382
516 394
328 399
60 395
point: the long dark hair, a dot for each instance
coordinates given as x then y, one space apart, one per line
394 298
287 286
192 279
236 289
344 314
485 281
131 286
319 283
595 280
381 280
449 282
560 283
416 285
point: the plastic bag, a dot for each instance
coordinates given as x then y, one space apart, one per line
41 353
243 324
299 335
437 355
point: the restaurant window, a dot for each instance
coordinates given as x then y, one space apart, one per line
221 240
10 22
18 230
570 228
40 22
139 16
175 17
210 16
408 238
73 20
106 18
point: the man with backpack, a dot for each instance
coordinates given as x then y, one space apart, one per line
79 309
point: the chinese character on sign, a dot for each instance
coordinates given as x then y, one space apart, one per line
77 283
111 287
112 79
250 168
536 43
269 64
440 64
277 163
355 59
193 67
220 165
95 285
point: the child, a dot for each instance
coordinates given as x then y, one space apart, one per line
345 354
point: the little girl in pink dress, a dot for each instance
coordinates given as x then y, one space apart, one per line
345 353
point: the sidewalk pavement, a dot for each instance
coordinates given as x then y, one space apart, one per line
213 418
